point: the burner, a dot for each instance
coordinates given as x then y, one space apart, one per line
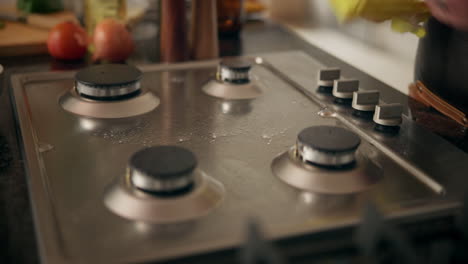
324 161
109 91
327 146
109 82
163 185
163 171
235 71
233 81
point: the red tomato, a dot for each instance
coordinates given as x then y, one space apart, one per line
67 41
112 41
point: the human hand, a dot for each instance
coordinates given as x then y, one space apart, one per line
451 12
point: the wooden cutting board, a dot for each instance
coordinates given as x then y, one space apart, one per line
18 39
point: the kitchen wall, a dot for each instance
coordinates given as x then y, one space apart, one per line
373 48
378 35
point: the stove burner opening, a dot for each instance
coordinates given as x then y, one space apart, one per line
170 194
328 147
163 171
109 91
110 98
108 82
234 71
233 81
348 166
162 185
324 160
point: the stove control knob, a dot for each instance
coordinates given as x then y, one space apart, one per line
388 115
108 81
163 170
235 71
327 146
344 89
365 100
326 77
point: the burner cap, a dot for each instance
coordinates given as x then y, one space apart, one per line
236 64
329 139
235 71
163 169
108 81
327 145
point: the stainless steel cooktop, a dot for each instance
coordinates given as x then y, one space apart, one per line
248 138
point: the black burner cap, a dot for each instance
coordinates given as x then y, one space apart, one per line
108 75
236 64
329 139
164 162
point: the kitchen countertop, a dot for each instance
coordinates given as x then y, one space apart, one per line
17 240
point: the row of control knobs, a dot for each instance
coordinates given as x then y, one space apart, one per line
385 115
388 117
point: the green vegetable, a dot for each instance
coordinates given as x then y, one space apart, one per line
39 6
2 24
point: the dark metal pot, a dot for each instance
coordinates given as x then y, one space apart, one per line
442 62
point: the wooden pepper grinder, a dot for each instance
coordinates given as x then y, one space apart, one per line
173 38
204 30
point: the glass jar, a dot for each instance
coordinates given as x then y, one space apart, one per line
97 10
230 17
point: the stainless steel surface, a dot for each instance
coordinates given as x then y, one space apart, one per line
292 170
326 77
141 104
422 173
388 114
105 92
365 100
230 91
125 200
344 89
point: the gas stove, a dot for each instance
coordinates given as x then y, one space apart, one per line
170 162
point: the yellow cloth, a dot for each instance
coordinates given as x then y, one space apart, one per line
406 15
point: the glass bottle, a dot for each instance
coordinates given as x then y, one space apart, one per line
230 17
97 10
